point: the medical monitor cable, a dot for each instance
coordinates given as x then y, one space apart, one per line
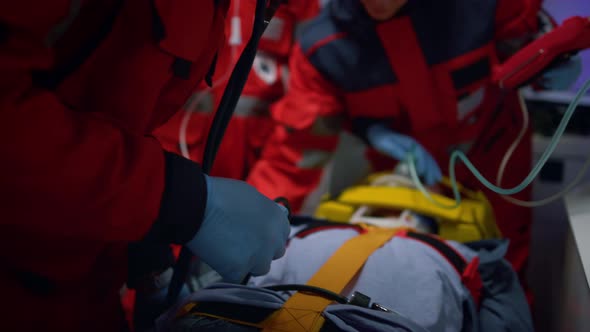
503 191
508 155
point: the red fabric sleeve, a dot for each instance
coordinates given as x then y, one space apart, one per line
68 173
71 167
306 135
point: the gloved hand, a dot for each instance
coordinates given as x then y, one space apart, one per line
563 75
398 146
242 231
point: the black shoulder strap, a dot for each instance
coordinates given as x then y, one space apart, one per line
444 249
312 225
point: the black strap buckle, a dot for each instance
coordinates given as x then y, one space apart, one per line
360 300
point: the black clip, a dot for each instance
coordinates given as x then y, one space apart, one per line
360 300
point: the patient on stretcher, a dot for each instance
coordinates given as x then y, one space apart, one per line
408 277
353 277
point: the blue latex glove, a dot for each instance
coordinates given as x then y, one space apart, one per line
563 76
397 146
242 231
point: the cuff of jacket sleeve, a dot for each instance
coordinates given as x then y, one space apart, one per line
183 202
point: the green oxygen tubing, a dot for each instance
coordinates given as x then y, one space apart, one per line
410 160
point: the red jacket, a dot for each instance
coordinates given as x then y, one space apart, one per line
251 125
426 72
83 84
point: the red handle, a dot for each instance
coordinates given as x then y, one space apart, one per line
571 36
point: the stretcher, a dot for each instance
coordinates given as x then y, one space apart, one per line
357 277
385 213
391 200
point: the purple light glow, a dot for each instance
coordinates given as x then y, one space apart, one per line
562 9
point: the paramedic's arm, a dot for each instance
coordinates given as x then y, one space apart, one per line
73 175
306 135
518 24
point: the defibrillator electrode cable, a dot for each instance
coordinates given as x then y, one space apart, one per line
527 181
235 85
311 290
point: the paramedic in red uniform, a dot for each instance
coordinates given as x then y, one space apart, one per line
251 125
82 86
405 74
